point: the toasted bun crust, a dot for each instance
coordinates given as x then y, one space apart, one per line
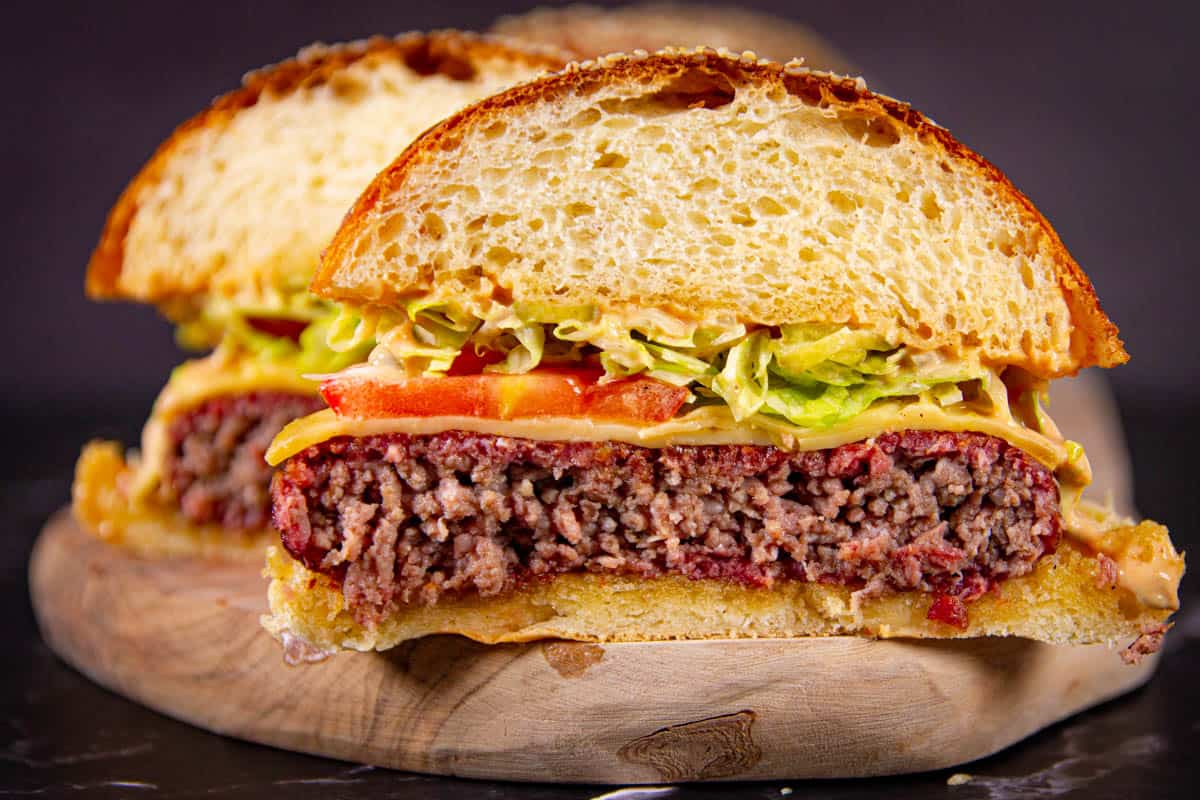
1061 602
240 199
590 31
716 187
100 502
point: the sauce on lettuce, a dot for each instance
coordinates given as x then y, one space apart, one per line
812 376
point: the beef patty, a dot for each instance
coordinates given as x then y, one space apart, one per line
404 519
215 470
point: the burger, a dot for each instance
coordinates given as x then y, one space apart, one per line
222 231
692 345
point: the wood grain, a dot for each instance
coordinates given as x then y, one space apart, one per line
183 638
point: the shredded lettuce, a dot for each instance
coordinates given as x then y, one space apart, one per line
351 330
814 376
526 353
315 356
802 349
818 405
228 326
743 381
539 313
311 354
947 394
680 369
219 317
430 341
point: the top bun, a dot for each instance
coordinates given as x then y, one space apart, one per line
722 188
242 197
591 31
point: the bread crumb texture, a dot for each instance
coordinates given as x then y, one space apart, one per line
717 186
241 199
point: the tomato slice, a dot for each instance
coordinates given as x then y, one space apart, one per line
542 392
636 399
279 326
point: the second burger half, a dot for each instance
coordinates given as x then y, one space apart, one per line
222 230
691 345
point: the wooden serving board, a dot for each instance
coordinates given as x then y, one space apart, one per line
183 638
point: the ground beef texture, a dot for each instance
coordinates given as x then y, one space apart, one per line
215 470
402 519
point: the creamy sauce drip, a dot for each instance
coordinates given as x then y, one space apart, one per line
1147 565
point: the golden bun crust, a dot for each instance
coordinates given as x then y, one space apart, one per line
167 268
1063 601
590 31
509 199
101 503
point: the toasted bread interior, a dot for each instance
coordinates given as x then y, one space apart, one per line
241 199
720 188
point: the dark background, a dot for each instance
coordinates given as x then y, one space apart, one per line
1090 107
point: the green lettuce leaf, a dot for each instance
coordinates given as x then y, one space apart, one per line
742 382
317 357
526 354
816 377
312 353
802 348
818 405
222 319
431 341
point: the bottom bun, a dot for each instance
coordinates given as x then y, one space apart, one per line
1064 601
102 505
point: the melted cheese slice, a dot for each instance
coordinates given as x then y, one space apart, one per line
709 425
224 373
